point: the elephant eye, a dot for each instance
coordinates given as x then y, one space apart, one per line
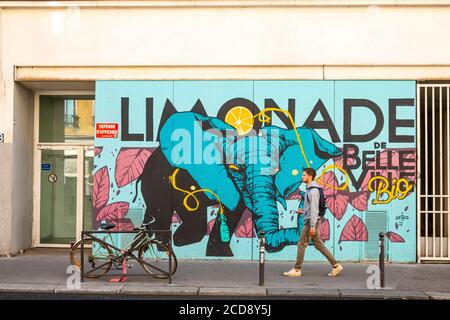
294 172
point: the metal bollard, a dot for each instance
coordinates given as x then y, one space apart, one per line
262 250
82 258
381 259
170 257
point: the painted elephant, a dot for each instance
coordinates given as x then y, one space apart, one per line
255 171
162 201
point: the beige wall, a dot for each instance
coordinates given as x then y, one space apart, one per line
291 39
263 40
22 168
227 36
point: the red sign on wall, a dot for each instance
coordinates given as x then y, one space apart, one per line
106 130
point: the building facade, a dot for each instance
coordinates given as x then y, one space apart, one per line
121 110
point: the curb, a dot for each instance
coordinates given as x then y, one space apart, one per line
377 294
304 293
33 287
236 292
205 292
438 295
160 290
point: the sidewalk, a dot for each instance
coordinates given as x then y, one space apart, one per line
44 270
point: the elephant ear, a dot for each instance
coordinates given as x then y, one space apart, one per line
314 146
323 148
194 142
292 162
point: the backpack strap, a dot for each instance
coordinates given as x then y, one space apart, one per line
317 189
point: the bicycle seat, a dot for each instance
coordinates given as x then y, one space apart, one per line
151 219
146 225
107 226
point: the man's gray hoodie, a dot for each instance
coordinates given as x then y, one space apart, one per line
312 202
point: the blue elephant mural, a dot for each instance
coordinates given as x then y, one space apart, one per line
254 171
218 161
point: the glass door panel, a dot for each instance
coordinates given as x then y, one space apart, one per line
58 196
88 184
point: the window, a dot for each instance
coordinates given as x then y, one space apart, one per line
66 119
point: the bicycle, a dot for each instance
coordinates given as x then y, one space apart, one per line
100 256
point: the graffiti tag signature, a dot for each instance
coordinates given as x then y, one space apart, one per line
398 189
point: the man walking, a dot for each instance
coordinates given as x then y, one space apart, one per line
311 227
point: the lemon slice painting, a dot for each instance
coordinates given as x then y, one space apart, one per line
240 118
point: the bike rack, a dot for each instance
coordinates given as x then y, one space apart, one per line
91 234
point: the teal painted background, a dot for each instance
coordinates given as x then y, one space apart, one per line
118 163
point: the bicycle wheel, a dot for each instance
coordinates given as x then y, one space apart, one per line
97 257
157 261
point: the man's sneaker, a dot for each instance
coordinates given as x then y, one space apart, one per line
336 270
293 273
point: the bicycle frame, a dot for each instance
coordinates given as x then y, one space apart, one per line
136 243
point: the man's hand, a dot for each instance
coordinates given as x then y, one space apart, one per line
299 211
312 231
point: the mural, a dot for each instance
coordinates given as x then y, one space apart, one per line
220 161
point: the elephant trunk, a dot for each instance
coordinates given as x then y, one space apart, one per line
262 201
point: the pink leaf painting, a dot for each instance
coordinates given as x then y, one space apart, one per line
359 200
294 196
329 183
354 230
130 163
210 226
97 151
100 189
338 200
245 226
113 212
123 225
394 237
339 161
337 204
176 218
389 160
324 230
